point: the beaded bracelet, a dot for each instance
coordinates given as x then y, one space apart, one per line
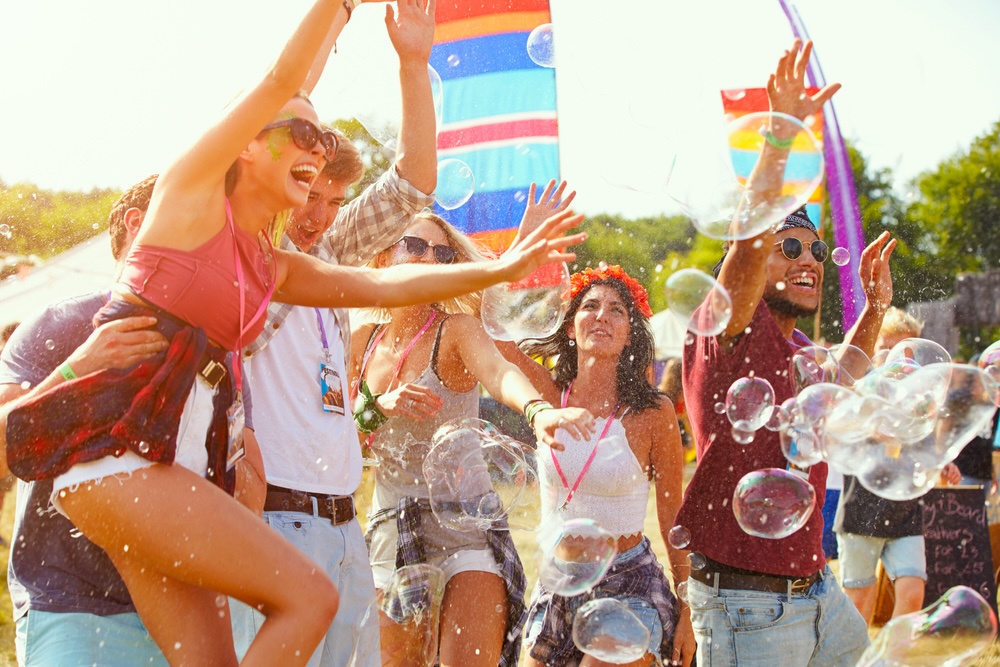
367 416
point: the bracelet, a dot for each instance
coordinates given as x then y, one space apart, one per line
534 409
778 143
67 371
528 404
367 416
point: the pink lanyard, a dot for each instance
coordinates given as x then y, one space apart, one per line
402 357
261 309
593 452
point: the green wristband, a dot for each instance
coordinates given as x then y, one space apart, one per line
778 143
67 372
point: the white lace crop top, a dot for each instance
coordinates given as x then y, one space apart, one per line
614 491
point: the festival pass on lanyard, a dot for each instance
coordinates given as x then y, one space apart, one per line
331 387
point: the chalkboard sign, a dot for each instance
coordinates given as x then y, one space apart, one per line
957 543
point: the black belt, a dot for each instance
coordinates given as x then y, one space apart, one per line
338 509
768 583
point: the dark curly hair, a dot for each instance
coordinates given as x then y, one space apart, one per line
634 389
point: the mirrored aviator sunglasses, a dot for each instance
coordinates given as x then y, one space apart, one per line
791 248
305 135
417 247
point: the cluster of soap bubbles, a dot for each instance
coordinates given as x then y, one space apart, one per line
480 479
574 556
712 191
953 631
894 425
530 308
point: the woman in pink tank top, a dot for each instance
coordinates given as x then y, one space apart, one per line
181 544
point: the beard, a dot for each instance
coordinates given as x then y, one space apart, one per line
779 304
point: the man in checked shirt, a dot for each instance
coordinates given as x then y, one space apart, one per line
303 422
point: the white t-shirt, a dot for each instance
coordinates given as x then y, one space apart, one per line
304 447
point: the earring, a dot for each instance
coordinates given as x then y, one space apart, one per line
572 342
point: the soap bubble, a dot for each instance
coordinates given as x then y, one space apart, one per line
541 46
953 631
742 433
5 231
608 630
841 256
575 556
530 308
814 364
364 637
750 400
455 183
437 95
800 446
412 597
698 302
50 344
479 479
679 537
773 503
920 350
852 363
710 187
697 560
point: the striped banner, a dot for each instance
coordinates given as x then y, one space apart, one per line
498 110
744 151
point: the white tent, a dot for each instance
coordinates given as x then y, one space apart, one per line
668 334
84 268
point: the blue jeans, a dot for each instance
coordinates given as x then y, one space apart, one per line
820 628
342 553
49 639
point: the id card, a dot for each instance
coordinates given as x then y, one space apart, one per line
331 390
237 422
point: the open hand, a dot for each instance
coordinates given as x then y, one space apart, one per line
786 88
411 29
543 246
412 401
876 278
578 422
540 209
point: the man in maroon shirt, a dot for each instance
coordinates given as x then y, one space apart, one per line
760 601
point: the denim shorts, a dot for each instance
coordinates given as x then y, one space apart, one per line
859 554
45 638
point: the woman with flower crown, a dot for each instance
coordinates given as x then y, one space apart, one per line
607 478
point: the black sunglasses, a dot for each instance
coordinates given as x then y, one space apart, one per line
417 247
791 248
306 135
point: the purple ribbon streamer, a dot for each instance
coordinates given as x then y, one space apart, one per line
847 229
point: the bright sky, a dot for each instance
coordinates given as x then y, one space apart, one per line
103 93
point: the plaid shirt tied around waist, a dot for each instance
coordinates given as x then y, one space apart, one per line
111 411
409 515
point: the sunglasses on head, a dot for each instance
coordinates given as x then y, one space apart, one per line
417 247
791 248
306 135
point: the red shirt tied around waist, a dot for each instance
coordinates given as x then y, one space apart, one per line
707 511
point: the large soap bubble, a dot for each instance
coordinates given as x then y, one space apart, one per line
750 400
953 631
530 308
814 364
541 46
773 503
480 479
455 183
920 350
698 302
575 556
608 630
710 190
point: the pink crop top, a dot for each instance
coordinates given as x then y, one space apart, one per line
200 286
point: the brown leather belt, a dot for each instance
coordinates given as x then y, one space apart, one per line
338 509
768 583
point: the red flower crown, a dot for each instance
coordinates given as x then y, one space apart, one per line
584 279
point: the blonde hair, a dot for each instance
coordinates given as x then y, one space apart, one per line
468 251
897 321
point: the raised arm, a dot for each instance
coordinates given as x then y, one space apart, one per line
743 272
876 281
304 281
203 167
411 31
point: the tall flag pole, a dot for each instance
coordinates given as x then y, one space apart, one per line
498 110
847 228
